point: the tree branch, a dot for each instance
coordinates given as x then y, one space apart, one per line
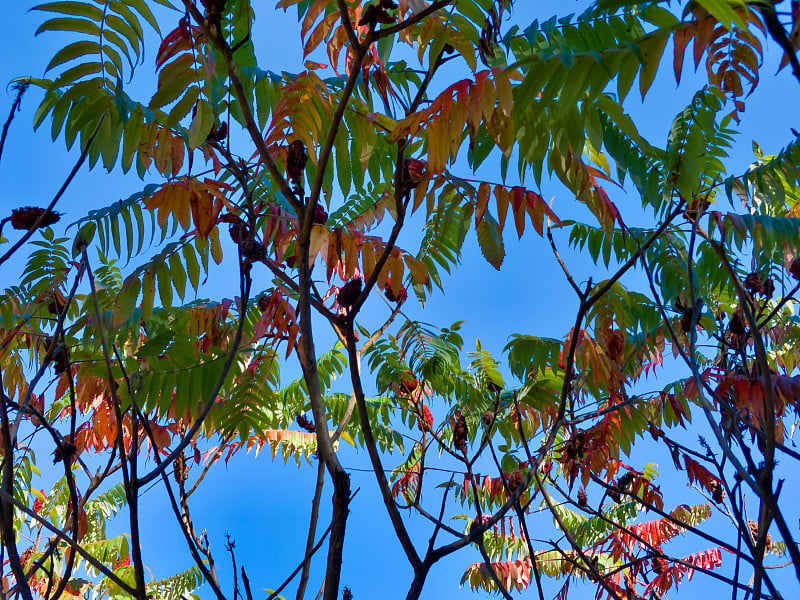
26 236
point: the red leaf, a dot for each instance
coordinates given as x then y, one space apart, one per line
518 203
699 474
482 202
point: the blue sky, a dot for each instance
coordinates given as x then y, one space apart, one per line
260 502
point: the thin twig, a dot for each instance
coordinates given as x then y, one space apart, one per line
312 530
245 285
21 87
412 20
58 195
75 546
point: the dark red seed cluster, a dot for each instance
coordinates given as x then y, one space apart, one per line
320 215
28 217
757 285
218 134
794 267
305 423
378 13
296 160
349 293
253 250
460 432
717 492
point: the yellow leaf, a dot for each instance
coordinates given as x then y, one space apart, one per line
350 253
319 237
418 270
505 96
367 258
384 273
419 193
466 49
216 248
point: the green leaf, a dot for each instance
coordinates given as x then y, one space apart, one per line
70 24
178 274
173 80
78 9
652 50
73 51
192 266
343 164
723 11
491 241
202 123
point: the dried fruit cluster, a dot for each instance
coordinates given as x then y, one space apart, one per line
620 486
296 160
460 432
576 447
413 172
349 293
757 285
514 481
28 217
717 492
305 423
753 527
377 13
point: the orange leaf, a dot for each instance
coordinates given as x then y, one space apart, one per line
204 211
705 33
335 45
350 251
503 198
177 154
311 16
536 208
321 31
334 252
680 40
419 192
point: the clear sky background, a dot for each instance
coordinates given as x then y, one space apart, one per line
264 505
